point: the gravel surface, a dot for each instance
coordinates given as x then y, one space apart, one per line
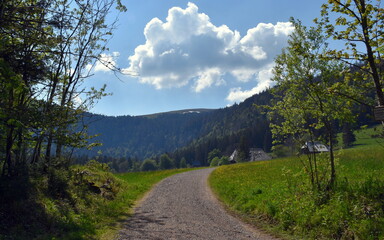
183 207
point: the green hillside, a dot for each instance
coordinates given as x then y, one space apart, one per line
276 195
181 132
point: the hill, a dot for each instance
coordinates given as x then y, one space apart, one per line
187 130
184 111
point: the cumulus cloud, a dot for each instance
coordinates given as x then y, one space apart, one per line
187 48
207 78
105 63
265 82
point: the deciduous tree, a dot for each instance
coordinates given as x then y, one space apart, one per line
166 162
359 24
305 104
148 165
45 50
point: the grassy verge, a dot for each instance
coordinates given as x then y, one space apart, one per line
276 196
85 202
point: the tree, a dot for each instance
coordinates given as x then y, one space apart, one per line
183 163
148 165
214 162
46 48
305 108
224 160
22 67
267 141
348 136
166 162
212 154
243 150
359 24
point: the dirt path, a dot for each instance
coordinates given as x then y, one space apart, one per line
183 207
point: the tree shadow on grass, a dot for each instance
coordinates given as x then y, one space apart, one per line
20 214
24 215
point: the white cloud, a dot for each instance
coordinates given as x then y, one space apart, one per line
188 49
207 78
265 82
77 101
105 63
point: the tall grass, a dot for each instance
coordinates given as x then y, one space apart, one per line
277 196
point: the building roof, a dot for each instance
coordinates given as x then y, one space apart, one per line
258 154
314 147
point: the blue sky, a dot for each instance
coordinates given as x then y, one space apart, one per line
194 54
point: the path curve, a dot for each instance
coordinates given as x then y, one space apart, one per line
183 207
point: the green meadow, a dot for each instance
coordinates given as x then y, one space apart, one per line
276 195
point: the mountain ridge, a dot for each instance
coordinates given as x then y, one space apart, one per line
188 130
181 111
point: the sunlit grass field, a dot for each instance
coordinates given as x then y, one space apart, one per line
276 195
366 136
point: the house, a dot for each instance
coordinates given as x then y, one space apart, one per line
258 154
255 154
314 147
232 158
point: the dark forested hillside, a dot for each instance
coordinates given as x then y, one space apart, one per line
191 132
228 128
145 136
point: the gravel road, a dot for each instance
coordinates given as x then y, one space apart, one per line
183 207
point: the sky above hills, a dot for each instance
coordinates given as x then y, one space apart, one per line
180 54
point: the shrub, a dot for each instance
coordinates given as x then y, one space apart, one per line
166 162
148 165
224 161
215 162
183 163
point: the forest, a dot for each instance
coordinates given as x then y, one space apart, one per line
189 135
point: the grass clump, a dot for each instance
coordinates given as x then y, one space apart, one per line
277 195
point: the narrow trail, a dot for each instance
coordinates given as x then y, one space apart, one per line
183 207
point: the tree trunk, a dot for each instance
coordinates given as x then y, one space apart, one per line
49 148
8 169
316 172
370 55
332 161
37 150
311 170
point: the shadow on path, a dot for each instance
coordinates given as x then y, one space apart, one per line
145 225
